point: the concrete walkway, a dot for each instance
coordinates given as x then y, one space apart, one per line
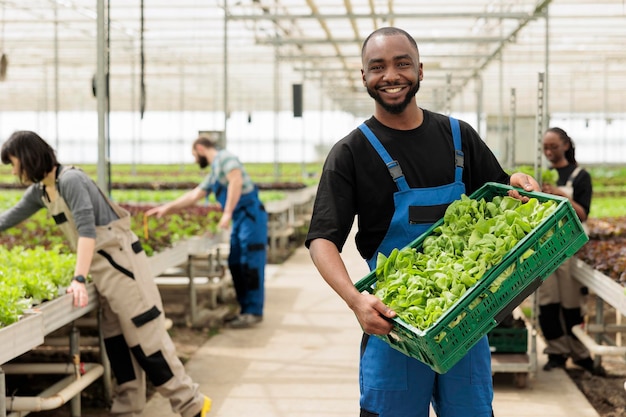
302 360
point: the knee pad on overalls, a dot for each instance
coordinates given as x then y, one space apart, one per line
147 345
251 278
251 270
572 317
121 362
550 321
156 367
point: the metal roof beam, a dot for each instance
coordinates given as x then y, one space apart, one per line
356 71
384 16
212 19
327 31
355 56
538 12
421 40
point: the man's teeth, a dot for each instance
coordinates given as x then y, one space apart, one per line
393 90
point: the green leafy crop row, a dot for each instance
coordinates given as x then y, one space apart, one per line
30 276
37 264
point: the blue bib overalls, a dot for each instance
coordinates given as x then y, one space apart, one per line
248 243
393 384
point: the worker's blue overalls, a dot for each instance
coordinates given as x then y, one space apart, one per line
248 244
393 384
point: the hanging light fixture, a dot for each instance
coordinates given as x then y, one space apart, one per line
4 61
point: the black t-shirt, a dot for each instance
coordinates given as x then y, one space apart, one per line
581 185
355 181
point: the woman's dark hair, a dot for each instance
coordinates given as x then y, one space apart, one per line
570 153
36 157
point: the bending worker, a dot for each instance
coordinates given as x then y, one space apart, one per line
239 199
133 326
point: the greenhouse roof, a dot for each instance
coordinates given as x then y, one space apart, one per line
245 55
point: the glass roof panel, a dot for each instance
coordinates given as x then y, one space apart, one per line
191 51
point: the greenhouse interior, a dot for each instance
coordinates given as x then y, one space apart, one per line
123 90
231 67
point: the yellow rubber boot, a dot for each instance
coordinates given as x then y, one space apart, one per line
206 407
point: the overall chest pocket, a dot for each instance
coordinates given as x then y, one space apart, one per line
426 214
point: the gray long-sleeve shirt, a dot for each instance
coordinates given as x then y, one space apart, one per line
87 204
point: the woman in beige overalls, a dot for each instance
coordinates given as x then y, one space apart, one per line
561 297
136 341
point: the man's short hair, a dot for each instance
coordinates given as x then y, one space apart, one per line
205 141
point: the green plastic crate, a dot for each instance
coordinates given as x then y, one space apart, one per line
508 340
479 310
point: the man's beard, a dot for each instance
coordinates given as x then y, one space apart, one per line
395 108
203 162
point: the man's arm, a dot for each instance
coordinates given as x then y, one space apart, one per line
233 194
371 313
183 201
525 182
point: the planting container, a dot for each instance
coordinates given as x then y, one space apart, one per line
482 307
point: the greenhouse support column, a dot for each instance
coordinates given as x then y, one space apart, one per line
276 110
303 150
133 126
75 407
501 137
181 98
479 105
107 82
540 126
510 148
224 135
3 398
448 95
107 375
546 98
321 123
101 98
56 75
298 102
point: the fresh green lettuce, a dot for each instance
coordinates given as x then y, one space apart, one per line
475 235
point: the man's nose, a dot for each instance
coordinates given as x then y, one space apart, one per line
391 74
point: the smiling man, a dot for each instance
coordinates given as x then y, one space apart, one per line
398 171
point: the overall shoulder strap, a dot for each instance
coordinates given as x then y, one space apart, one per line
392 165
459 159
572 176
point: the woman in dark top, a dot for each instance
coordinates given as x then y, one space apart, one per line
561 296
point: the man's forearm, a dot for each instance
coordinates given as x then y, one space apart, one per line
331 267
